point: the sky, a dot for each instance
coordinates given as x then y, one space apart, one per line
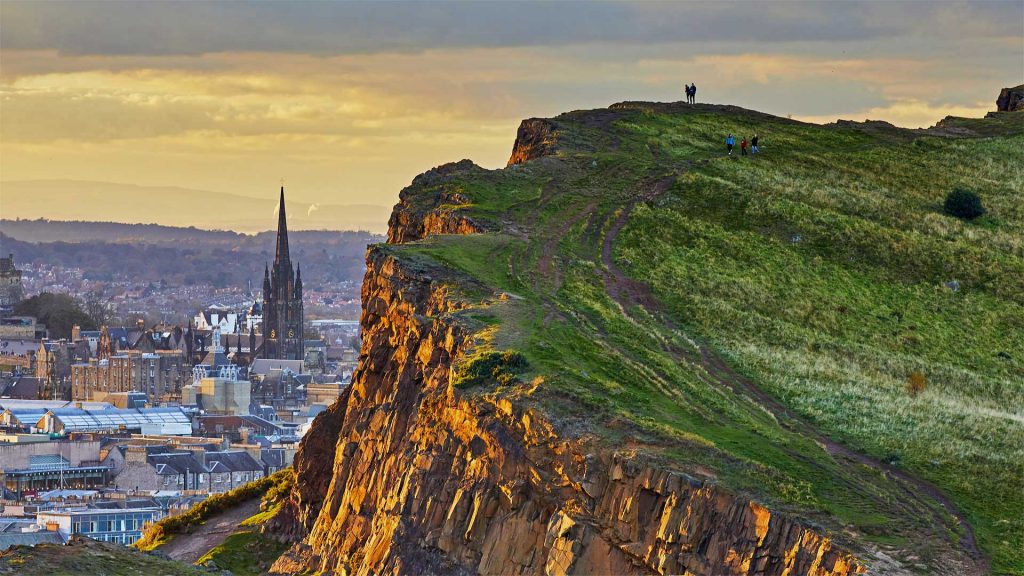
349 101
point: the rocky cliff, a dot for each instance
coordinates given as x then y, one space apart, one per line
409 473
1011 99
536 137
419 214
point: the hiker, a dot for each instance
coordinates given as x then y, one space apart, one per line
729 142
753 144
693 93
743 146
687 93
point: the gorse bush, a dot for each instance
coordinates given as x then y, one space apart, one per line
916 383
963 204
499 366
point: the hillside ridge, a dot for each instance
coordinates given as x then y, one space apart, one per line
532 375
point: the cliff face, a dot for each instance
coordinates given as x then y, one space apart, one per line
418 215
1011 99
409 475
536 137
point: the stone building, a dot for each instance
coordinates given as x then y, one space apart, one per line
195 469
160 375
220 391
10 285
21 328
53 365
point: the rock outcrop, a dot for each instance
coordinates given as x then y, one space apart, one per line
419 215
535 138
1011 99
406 474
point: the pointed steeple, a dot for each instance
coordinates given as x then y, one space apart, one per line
282 234
266 280
298 281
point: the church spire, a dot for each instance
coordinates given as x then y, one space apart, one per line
298 282
282 234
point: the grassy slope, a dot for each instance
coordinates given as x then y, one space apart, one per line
247 552
831 325
91 558
269 488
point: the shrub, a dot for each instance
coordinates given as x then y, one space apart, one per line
499 366
916 383
964 204
160 532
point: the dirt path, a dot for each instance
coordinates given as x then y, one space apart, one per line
192 547
628 292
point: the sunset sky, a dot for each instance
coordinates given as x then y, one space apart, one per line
348 102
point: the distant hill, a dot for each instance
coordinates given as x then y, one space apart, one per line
153 253
44 230
173 206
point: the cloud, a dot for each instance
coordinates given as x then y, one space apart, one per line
333 28
356 99
908 113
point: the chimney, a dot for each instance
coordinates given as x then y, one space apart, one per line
135 455
199 452
76 333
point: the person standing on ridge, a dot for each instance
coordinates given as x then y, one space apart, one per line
753 144
729 143
693 93
687 90
743 146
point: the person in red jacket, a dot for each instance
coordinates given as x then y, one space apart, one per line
743 146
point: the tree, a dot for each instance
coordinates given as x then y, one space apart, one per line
59 312
97 308
964 204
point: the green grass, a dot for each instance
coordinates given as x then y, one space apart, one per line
245 553
816 269
248 552
84 556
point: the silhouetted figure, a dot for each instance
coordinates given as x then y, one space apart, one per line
729 143
693 93
687 90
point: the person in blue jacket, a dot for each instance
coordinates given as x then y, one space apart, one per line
693 93
729 143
